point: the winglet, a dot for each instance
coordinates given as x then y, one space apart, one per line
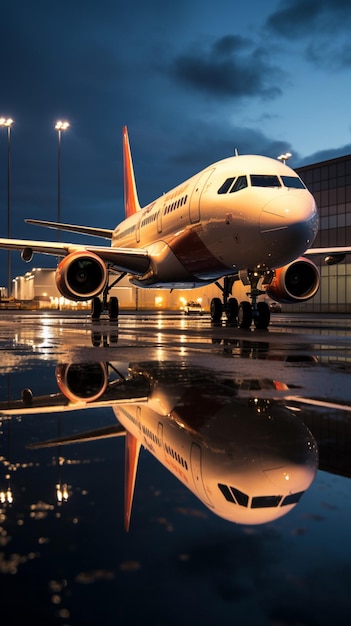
131 465
131 202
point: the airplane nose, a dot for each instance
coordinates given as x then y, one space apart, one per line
288 225
294 477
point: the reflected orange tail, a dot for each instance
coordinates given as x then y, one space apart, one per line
131 465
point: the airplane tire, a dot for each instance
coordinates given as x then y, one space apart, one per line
232 310
263 316
113 308
216 309
96 339
245 314
96 308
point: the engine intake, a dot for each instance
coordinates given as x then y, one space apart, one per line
296 282
82 382
81 276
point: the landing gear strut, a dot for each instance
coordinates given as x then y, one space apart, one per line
106 304
229 306
244 313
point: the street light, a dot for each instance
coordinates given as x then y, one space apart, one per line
284 157
7 123
59 126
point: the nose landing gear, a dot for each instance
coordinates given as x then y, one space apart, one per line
246 312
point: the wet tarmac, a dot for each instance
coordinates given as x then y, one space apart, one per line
242 502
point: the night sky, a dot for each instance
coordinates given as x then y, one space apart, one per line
192 81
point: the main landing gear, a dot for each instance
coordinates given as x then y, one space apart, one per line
98 307
245 313
110 305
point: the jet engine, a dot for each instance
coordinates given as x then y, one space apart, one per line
81 276
295 282
82 382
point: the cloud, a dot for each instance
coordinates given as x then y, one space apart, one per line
206 143
323 24
325 155
231 67
330 54
305 17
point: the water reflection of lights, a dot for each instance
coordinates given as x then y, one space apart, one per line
62 494
47 333
160 352
6 496
42 341
182 348
160 323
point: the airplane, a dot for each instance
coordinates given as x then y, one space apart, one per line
247 459
248 218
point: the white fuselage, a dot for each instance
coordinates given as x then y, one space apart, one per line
245 466
239 213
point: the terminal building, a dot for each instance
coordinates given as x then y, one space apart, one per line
330 183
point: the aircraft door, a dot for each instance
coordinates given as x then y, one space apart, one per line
159 220
160 434
194 205
196 471
137 230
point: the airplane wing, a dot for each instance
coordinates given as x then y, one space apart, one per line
332 256
328 251
106 432
58 403
106 233
130 260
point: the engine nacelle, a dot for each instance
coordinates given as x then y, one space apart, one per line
82 382
296 282
81 276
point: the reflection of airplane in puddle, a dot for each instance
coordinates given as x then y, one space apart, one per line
249 460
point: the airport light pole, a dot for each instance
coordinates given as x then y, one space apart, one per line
7 123
59 126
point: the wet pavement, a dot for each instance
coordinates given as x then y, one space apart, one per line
242 494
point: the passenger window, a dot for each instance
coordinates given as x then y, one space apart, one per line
226 185
240 183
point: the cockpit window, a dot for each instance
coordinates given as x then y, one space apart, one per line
294 182
261 502
240 496
226 185
240 183
226 492
293 498
235 496
233 184
264 180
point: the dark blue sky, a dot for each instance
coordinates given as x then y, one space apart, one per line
192 80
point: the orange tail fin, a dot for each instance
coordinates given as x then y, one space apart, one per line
131 202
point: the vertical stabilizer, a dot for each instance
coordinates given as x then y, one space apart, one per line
131 202
131 464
